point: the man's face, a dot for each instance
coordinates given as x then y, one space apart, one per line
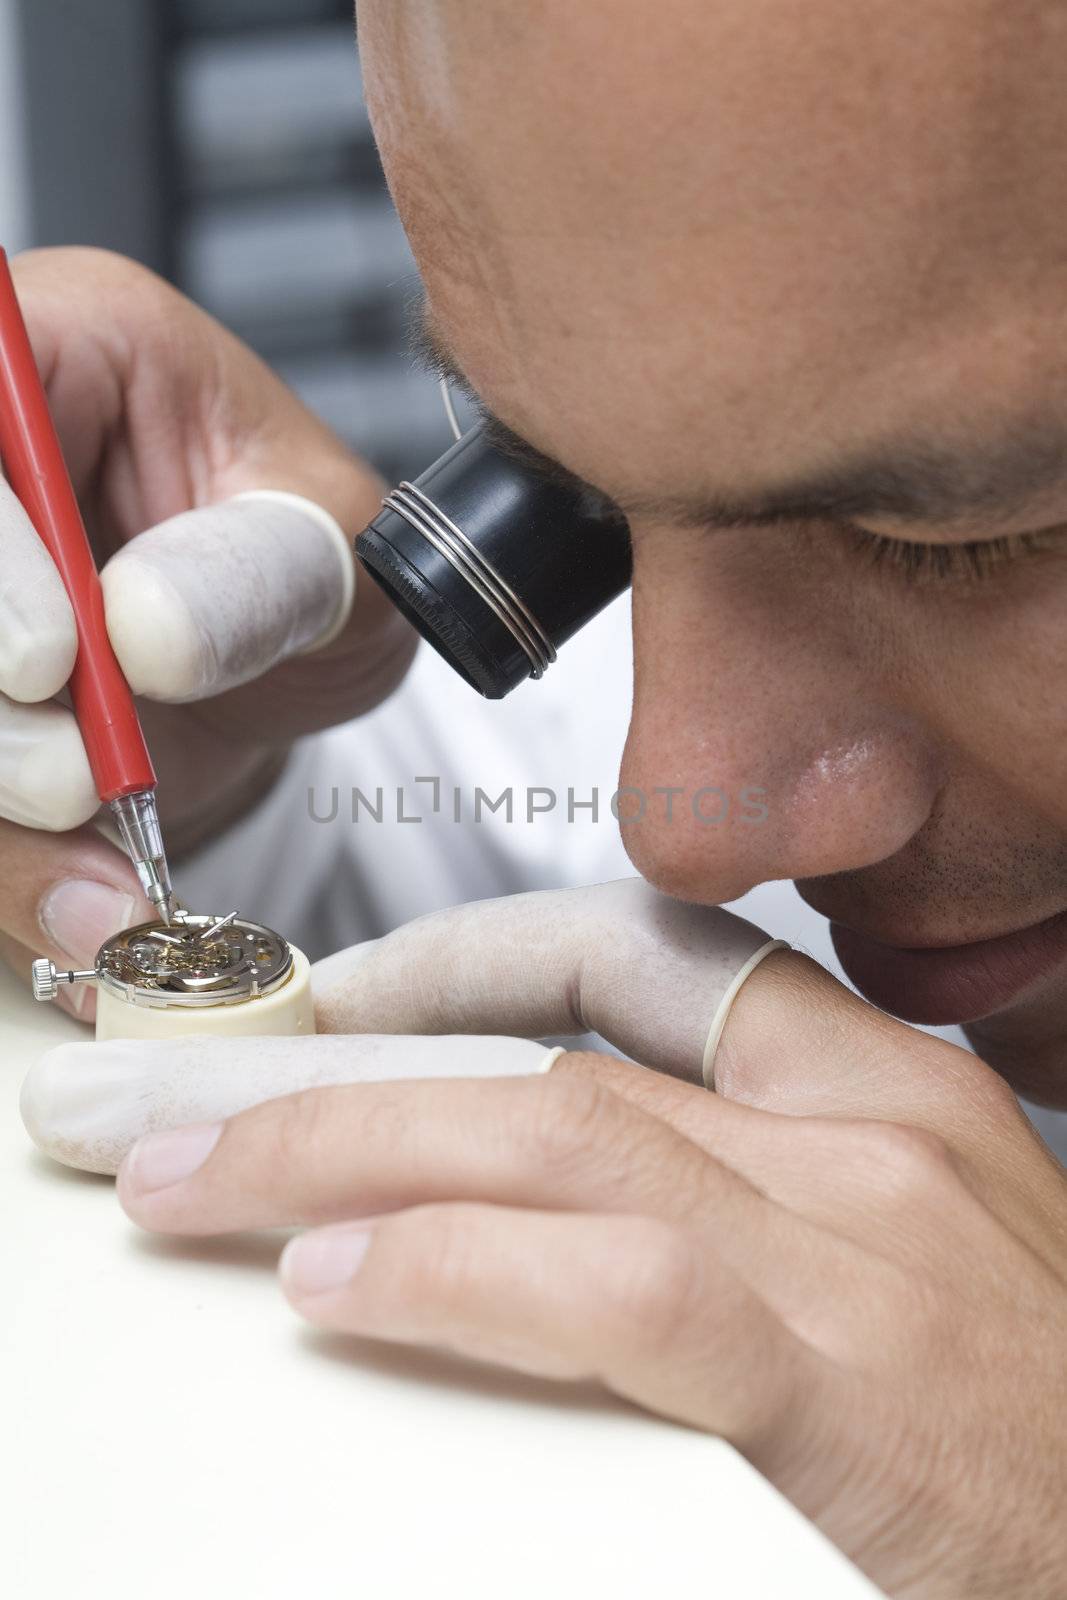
788 282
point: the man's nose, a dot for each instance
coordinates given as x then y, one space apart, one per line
769 740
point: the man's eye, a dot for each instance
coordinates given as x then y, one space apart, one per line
977 559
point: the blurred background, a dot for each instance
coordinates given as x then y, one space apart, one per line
225 144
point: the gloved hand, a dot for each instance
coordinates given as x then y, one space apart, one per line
653 976
231 612
850 1261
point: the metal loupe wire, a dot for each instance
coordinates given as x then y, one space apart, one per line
450 410
449 540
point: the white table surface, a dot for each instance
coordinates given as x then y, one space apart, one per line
171 1429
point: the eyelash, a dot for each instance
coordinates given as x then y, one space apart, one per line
976 560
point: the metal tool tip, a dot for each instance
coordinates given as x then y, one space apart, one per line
162 902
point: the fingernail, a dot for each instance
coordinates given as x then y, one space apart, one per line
78 916
159 1160
318 1262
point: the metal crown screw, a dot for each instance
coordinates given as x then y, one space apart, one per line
45 984
47 978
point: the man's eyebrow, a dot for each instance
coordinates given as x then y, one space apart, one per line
910 479
430 351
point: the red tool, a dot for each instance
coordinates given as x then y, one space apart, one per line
103 704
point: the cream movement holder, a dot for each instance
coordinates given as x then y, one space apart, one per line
196 975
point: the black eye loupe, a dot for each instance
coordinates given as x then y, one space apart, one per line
494 563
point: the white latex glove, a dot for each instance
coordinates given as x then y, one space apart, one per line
222 609
204 602
653 976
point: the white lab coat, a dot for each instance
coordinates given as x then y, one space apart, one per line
424 754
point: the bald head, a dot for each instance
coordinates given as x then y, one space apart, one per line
788 280
751 213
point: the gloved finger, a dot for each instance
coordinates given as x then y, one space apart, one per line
63 895
86 1104
45 781
689 990
38 640
216 597
652 975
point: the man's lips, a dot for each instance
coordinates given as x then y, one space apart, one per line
955 984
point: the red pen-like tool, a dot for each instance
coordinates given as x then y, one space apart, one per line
35 469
